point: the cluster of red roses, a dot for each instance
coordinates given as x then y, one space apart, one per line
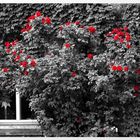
11 49
17 53
67 44
121 35
120 68
28 27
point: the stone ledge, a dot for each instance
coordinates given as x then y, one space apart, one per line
20 128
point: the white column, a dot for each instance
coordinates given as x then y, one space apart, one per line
18 109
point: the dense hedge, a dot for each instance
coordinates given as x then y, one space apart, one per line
76 88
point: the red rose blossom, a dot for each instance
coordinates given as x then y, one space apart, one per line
7 50
120 33
43 20
77 22
136 87
136 94
28 56
26 72
7 44
13 43
60 28
121 40
82 26
116 37
31 18
38 13
68 23
90 56
24 64
128 46
91 29
28 27
115 30
126 68
48 20
114 68
119 68
128 37
109 34
125 28
67 45
5 69
33 63
17 58
23 30
73 74
14 52
137 71
21 51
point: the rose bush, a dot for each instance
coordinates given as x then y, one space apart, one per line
82 80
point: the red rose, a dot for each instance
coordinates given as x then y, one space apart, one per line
67 45
116 37
121 40
5 69
21 51
137 71
13 43
48 20
60 28
109 34
73 74
7 44
28 56
43 20
90 56
91 29
28 27
136 88
17 58
115 30
120 33
125 28
82 26
14 52
33 63
114 68
136 94
23 30
30 18
7 50
26 72
128 37
24 64
126 68
68 23
38 13
77 22
128 46
119 68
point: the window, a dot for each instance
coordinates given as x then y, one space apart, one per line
16 109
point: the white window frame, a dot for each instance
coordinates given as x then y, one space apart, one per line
18 113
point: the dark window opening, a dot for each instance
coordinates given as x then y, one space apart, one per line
26 112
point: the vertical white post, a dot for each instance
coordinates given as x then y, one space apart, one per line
18 110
